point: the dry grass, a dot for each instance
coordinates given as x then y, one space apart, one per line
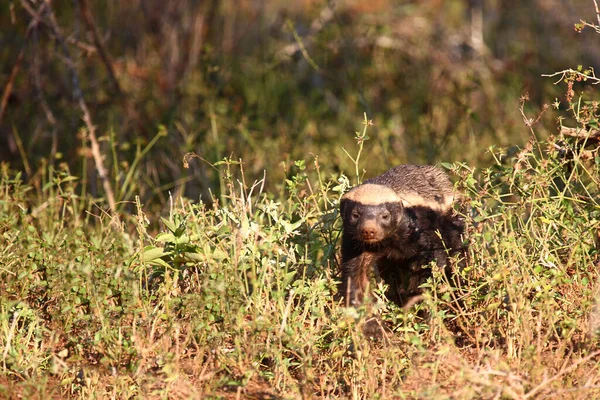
236 297
237 300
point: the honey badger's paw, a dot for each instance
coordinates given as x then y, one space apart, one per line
375 329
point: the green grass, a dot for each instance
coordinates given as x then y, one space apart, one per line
236 299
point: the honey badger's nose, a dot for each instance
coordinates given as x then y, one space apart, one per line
368 232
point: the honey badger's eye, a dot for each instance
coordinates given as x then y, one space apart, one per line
355 215
385 216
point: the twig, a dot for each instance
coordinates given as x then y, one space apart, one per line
560 373
566 72
11 332
40 94
302 48
529 122
318 24
11 80
89 22
91 26
78 94
15 70
580 133
555 395
412 301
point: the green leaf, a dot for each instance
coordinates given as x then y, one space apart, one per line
289 228
160 262
219 255
165 237
185 239
170 225
195 256
288 278
151 253
69 179
585 281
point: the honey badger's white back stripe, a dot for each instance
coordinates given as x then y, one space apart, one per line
372 195
415 200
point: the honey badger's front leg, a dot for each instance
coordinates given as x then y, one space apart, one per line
373 220
357 268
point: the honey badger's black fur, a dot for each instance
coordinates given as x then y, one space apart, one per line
396 224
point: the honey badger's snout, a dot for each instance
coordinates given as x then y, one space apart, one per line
369 231
372 226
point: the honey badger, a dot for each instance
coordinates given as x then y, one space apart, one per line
395 224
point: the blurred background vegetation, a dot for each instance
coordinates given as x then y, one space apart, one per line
273 81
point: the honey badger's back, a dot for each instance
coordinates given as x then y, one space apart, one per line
419 185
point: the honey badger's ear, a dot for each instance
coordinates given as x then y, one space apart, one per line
399 211
343 206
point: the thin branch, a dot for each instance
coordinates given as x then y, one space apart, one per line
89 22
15 70
317 25
140 118
580 133
565 73
560 373
302 48
78 94
40 94
11 79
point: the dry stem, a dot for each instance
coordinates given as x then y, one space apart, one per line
78 94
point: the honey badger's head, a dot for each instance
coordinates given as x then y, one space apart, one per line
371 213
